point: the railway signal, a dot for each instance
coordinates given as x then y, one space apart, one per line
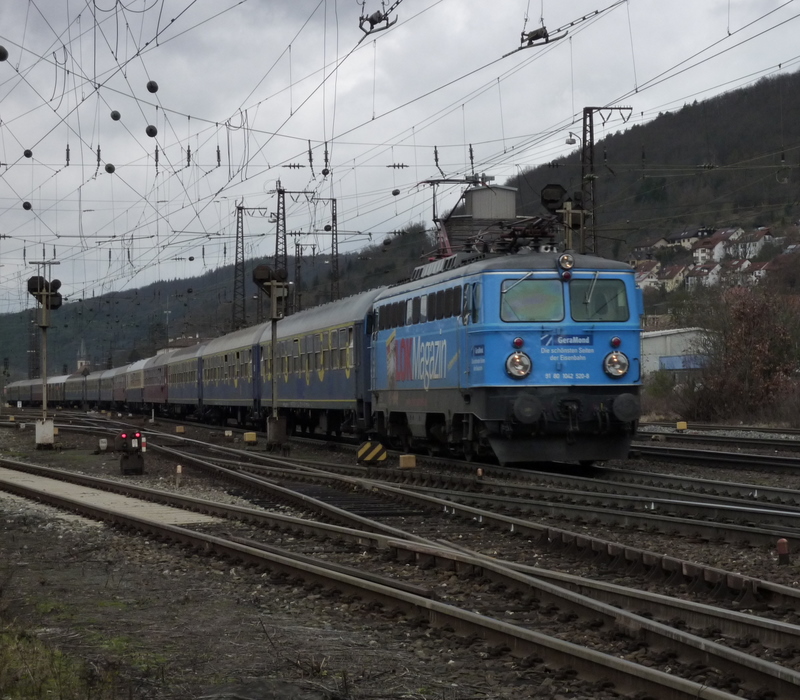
273 283
46 293
130 446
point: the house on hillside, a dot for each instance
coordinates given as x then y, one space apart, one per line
673 277
735 273
750 244
645 251
647 273
688 238
706 275
758 272
715 247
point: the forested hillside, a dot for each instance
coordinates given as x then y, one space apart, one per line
731 160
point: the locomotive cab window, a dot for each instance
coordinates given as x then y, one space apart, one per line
531 300
598 300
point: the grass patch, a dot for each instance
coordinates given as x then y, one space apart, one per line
33 670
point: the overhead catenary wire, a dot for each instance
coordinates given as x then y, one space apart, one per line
193 193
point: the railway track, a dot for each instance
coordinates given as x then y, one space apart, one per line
510 575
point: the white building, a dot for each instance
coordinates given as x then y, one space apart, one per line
672 350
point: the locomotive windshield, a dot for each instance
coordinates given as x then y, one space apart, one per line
598 300
529 300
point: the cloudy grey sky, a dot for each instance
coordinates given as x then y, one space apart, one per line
252 92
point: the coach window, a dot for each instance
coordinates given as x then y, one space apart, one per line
529 300
350 362
334 349
326 355
296 355
343 346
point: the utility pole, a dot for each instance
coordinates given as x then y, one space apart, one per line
281 248
588 176
333 229
239 319
298 271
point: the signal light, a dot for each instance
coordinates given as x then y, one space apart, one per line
137 435
616 342
124 436
46 293
518 342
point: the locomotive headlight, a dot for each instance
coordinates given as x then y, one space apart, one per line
519 365
616 364
566 261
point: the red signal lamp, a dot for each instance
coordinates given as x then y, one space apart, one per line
616 342
518 343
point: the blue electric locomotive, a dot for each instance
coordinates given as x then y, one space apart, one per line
531 357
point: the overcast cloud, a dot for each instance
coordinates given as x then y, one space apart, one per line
246 88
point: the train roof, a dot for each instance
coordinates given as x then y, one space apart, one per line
243 338
188 353
336 313
160 359
138 365
60 379
113 372
463 264
24 382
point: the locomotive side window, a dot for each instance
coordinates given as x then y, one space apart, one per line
415 310
409 312
441 309
529 300
598 300
474 292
